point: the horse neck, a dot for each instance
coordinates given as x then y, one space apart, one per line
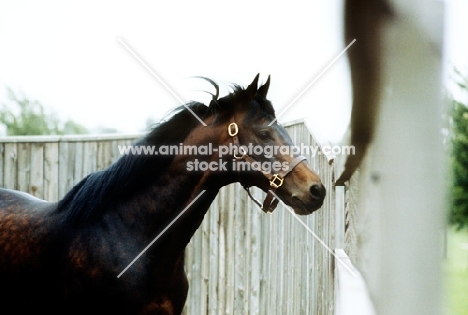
174 191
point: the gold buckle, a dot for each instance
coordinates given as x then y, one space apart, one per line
230 131
276 177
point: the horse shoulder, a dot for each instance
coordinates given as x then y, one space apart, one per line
23 225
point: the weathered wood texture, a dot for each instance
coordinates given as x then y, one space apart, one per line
47 167
240 261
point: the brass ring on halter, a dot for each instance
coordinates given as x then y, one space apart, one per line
244 154
234 132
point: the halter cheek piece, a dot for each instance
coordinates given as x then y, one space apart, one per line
276 180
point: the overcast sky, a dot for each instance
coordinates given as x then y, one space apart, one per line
70 56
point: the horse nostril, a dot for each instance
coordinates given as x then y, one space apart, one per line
317 191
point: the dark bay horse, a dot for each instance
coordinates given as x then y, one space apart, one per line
67 257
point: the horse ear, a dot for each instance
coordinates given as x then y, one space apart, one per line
251 90
263 90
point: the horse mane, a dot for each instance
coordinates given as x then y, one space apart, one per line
92 196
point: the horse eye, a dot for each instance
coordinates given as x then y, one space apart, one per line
265 135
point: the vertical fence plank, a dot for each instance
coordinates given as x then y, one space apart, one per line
10 165
196 275
37 170
222 255
24 166
213 261
78 166
204 272
67 157
255 261
89 157
239 217
229 262
51 171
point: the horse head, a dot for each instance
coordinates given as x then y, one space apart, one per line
257 151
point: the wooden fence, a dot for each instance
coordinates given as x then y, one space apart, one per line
240 261
48 166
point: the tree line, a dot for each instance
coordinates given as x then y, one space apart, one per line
21 116
458 150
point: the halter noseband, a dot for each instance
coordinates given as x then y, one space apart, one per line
276 180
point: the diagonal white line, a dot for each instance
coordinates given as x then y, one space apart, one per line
313 234
159 235
160 81
313 81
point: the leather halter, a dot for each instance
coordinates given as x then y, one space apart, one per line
276 180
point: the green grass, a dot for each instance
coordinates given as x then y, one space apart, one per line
456 273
